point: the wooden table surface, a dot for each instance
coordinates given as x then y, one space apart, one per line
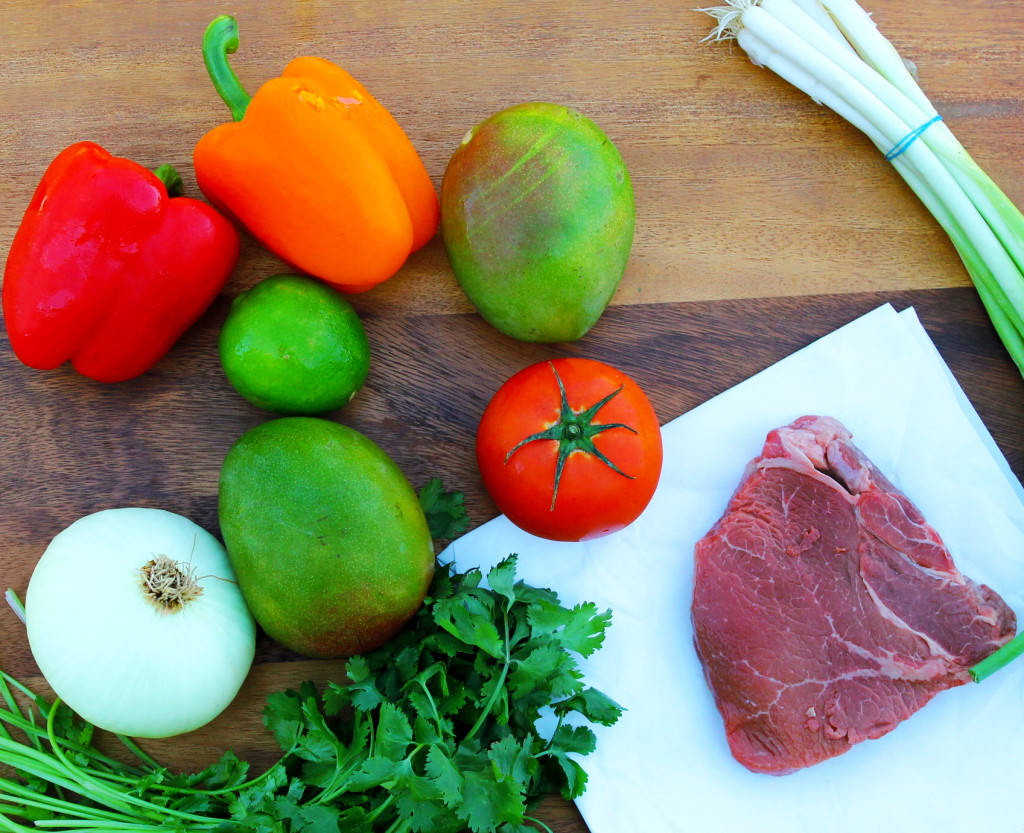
763 223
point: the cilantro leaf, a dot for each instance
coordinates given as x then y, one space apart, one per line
318 744
578 739
468 618
283 717
310 818
501 579
445 511
337 697
445 775
580 629
227 773
378 772
594 705
423 816
319 818
535 595
259 795
295 789
549 667
394 733
512 758
487 802
362 692
575 777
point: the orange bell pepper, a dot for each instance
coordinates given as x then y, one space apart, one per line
316 169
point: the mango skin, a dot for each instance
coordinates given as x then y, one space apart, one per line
326 536
537 217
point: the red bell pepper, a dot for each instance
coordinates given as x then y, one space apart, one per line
109 267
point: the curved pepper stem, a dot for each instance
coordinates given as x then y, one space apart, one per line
221 40
171 180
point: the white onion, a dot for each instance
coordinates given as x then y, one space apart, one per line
123 660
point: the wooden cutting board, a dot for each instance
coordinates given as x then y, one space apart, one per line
763 222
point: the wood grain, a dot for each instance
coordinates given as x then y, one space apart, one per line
764 222
744 187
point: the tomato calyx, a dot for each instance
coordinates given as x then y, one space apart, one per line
575 431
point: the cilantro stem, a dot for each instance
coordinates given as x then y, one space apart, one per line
24 689
34 732
170 788
399 825
12 705
433 707
336 786
13 827
138 752
551 740
106 795
499 686
36 763
12 791
82 781
5 682
382 807
94 824
539 823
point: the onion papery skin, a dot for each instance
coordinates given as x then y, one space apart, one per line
120 661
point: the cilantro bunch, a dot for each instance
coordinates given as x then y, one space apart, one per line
441 730
438 729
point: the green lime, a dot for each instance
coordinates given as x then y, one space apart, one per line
293 345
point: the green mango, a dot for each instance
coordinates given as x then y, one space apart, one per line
537 217
326 536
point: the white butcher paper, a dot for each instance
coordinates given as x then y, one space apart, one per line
665 767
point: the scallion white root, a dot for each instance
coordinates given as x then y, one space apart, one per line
833 51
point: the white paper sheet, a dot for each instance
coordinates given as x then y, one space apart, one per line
956 765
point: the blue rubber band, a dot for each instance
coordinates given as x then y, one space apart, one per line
902 145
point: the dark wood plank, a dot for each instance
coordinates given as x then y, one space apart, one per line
71 446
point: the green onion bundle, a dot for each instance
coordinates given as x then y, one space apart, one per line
832 50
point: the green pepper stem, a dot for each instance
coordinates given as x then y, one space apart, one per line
221 40
171 180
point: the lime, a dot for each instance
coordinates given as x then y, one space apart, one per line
293 345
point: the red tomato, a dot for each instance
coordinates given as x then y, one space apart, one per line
570 449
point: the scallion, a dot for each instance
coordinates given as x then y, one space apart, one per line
832 50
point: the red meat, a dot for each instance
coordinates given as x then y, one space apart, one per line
826 610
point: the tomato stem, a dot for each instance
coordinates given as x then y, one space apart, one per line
575 431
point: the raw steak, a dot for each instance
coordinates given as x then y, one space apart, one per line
825 609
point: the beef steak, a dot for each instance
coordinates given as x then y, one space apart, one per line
825 609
